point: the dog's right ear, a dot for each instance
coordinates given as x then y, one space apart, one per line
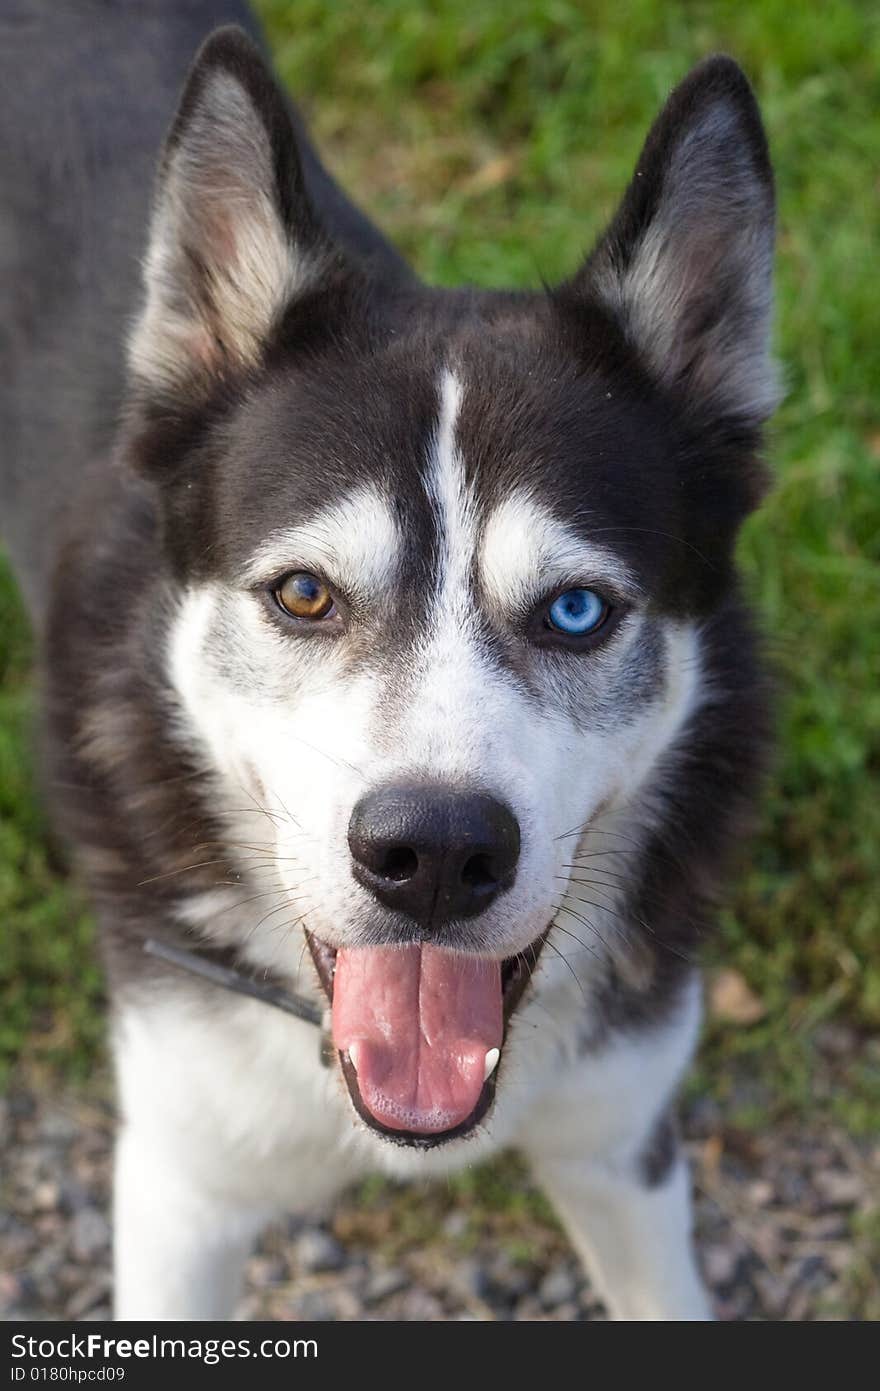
234 239
686 266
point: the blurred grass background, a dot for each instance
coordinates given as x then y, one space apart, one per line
492 142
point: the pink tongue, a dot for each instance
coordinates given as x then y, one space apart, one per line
421 1021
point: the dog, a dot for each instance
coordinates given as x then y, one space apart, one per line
396 669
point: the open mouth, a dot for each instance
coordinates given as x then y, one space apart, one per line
419 1031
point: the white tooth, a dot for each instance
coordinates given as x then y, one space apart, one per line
491 1062
353 1056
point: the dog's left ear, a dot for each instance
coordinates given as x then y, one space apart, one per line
686 265
234 239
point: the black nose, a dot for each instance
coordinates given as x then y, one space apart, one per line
433 853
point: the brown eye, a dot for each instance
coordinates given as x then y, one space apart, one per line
305 596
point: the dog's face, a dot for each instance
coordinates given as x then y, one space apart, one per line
441 560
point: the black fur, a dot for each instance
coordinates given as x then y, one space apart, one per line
660 1153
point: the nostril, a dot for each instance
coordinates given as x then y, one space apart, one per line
433 853
399 864
478 873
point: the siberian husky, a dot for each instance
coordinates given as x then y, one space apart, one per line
396 667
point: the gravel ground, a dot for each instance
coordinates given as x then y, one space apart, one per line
788 1228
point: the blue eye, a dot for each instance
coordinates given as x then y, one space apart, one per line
577 612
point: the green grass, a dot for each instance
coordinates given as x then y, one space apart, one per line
492 142
50 987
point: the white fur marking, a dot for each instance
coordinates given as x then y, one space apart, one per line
456 511
527 552
355 543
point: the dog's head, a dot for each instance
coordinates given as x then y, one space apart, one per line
441 559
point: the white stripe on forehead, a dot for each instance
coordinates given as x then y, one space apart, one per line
453 504
448 672
527 552
355 543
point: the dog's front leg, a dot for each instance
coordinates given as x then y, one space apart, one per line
179 1249
633 1234
228 1120
603 1146
188 1199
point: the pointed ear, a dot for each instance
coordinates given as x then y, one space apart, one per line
686 265
233 237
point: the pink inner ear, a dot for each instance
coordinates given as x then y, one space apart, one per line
693 255
218 224
201 348
702 250
217 234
